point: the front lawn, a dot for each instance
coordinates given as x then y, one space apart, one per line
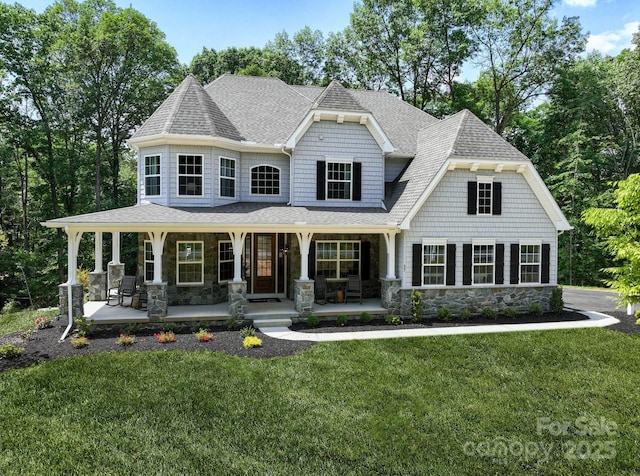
22 320
555 402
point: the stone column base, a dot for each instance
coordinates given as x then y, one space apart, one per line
77 300
156 301
303 295
390 296
116 272
98 286
237 299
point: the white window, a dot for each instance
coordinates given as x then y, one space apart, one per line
483 262
148 261
152 175
485 195
225 261
339 180
434 262
265 180
530 261
227 177
190 262
337 259
189 175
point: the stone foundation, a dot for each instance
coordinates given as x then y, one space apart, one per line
115 274
77 299
237 299
98 286
304 295
156 301
390 296
474 299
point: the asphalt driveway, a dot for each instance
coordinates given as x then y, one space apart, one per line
591 300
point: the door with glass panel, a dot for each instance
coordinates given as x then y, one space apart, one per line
264 263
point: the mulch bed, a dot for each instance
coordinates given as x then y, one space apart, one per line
43 344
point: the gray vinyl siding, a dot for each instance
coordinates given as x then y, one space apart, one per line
190 201
215 198
445 216
330 139
163 152
393 167
250 160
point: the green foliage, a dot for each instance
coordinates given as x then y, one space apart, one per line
342 320
393 319
489 313
232 324
132 329
169 327
11 351
250 342
23 320
125 340
556 303
637 313
415 305
443 314
203 335
465 315
42 322
83 326
510 312
365 317
83 278
312 321
201 325
78 342
165 337
536 309
10 307
247 331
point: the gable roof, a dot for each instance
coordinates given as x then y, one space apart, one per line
336 97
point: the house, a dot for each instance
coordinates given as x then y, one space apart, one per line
249 187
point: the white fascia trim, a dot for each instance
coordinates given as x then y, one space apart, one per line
371 124
434 241
483 241
210 141
546 199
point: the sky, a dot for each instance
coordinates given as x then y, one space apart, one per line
190 25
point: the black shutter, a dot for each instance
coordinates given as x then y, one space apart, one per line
466 263
515 263
472 198
320 179
546 258
451 265
499 278
357 181
312 260
497 198
365 260
416 274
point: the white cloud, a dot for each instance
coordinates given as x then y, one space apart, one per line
613 42
580 3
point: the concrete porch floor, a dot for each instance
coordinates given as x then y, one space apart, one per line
103 314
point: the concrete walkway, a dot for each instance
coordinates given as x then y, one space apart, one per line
596 319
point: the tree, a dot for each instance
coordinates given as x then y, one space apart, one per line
619 228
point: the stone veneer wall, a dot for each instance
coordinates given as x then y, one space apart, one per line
474 299
304 295
238 299
77 299
98 286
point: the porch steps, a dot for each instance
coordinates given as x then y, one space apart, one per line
272 322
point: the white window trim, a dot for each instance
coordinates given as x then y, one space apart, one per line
178 263
434 242
530 242
145 261
234 178
178 174
484 179
338 160
159 174
483 242
338 260
265 194
220 261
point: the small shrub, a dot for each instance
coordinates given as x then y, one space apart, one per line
43 322
638 321
165 337
489 313
11 351
510 312
82 277
84 327
250 342
28 334
312 321
637 314
124 340
132 329
466 315
415 306
393 319
365 317
232 324
167 327
443 314
247 331
203 335
556 303
199 326
10 307
341 320
78 342
536 309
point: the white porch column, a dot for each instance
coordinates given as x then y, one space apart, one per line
157 239
390 240
72 255
98 252
237 242
304 239
115 247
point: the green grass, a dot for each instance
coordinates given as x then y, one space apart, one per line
398 406
22 320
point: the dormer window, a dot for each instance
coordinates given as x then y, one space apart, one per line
484 196
338 181
152 175
189 175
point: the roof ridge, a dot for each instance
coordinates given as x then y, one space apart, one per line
463 121
182 92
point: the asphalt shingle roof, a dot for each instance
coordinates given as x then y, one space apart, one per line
336 97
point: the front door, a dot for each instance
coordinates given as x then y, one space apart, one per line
264 263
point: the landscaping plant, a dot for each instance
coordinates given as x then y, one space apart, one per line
78 342
11 351
83 327
466 315
393 319
250 342
312 321
165 337
43 322
536 309
365 317
124 340
556 303
203 335
415 306
510 312
489 313
247 331
342 320
443 314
